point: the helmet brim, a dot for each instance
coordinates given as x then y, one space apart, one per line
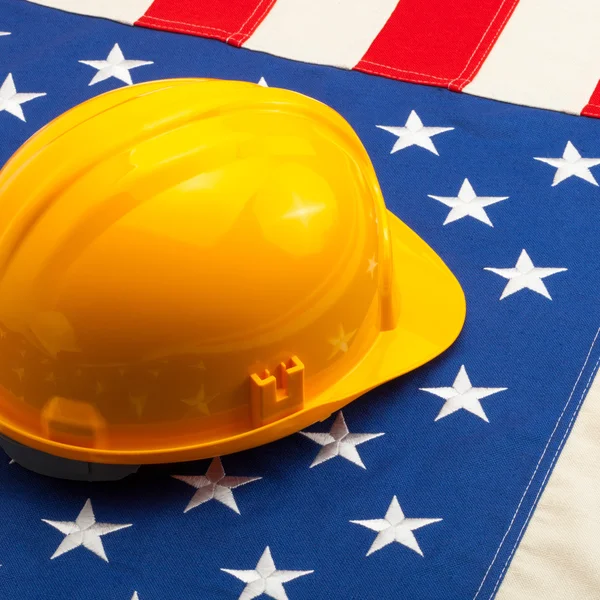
431 314
432 310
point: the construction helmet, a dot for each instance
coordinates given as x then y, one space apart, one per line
193 267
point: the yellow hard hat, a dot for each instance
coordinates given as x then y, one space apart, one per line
193 267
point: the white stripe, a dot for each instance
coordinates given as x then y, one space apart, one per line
327 32
559 555
547 56
125 11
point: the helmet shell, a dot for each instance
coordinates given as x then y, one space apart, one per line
183 262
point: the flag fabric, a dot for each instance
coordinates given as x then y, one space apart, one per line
558 555
421 489
531 52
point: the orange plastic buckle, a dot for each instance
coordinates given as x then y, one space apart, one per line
273 397
72 422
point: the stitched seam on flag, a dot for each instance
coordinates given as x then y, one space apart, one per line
590 110
246 21
479 44
476 67
491 45
258 20
144 17
186 24
537 467
385 73
549 470
369 62
508 14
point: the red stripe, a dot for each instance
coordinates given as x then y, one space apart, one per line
438 42
592 109
232 22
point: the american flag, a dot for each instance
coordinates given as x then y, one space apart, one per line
523 51
423 488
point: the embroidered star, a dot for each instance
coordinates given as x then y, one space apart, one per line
84 531
263 82
340 343
339 442
303 212
395 527
115 65
372 266
414 134
4 33
468 204
571 165
200 401
11 100
525 275
135 596
462 395
214 485
265 578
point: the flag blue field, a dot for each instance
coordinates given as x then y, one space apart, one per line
422 488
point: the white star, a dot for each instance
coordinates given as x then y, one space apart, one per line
462 395
115 65
84 531
135 596
4 33
414 134
339 442
265 578
525 275
468 204
263 82
395 527
341 342
571 165
11 100
372 266
214 485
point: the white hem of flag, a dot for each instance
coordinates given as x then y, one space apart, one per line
559 554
